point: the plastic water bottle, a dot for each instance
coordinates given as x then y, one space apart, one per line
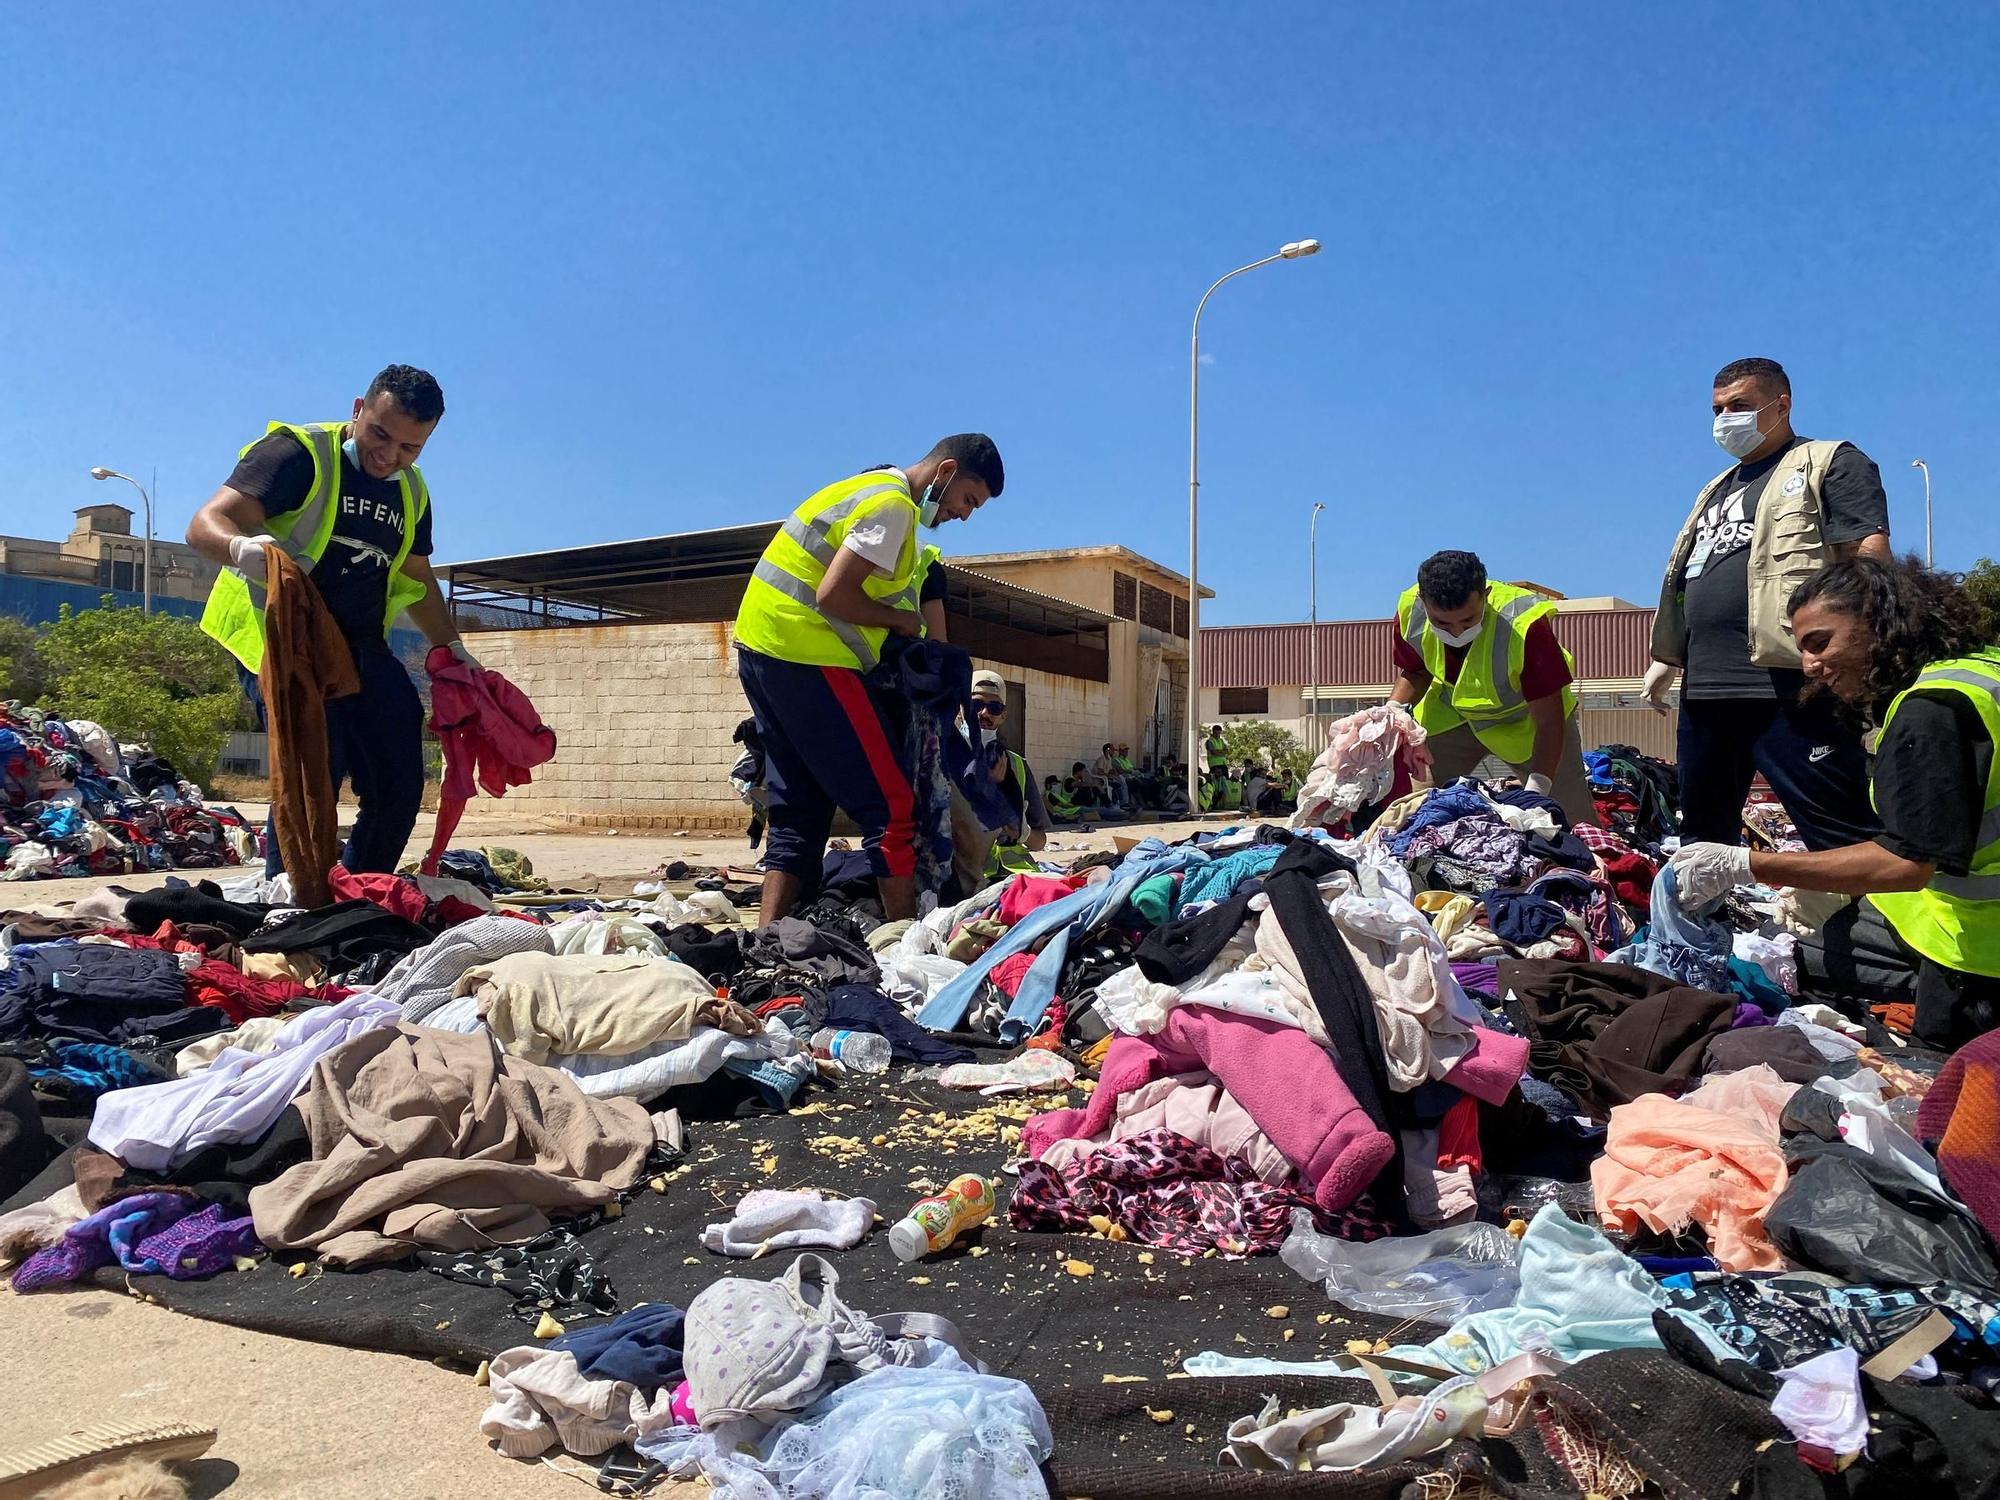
933 1223
856 1051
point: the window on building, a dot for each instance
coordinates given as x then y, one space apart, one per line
1239 701
1125 596
1180 617
121 576
1333 706
1156 607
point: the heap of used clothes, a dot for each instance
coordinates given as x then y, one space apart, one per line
1473 1068
73 801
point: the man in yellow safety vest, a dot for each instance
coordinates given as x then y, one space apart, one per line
347 501
1479 666
843 574
1909 650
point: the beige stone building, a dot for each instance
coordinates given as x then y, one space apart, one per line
625 649
101 552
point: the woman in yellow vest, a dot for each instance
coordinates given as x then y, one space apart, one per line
1909 651
843 574
347 501
1479 665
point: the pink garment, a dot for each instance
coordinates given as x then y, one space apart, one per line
1283 1078
1492 1069
1362 765
1026 892
1756 1094
1668 1164
492 738
1192 1105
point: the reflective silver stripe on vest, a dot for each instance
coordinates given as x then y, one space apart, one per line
1512 704
1967 887
812 535
1413 633
801 593
326 473
1989 825
1986 685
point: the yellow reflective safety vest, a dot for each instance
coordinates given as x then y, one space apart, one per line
1016 859
780 614
1487 696
1955 920
234 614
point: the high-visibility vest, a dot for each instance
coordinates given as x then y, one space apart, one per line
234 615
1955 920
1014 858
780 614
1487 696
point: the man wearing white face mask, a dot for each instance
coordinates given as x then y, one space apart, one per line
1479 666
843 574
1759 529
347 502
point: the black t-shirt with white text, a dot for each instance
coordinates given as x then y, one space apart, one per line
353 574
1717 574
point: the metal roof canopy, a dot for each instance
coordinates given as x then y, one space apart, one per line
698 577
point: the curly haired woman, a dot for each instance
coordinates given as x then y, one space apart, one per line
1908 651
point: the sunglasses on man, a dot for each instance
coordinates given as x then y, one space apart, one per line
989 707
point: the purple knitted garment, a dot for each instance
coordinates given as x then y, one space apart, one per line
150 1233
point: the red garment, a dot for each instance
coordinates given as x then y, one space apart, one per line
1024 893
1006 975
492 738
399 894
1458 1136
168 939
1054 1021
1631 876
1543 670
237 995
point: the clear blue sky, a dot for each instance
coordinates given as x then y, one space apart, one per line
677 265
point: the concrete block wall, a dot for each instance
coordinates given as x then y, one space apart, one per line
643 716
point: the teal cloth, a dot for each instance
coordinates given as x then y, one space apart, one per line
1154 899
1217 880
1579 1296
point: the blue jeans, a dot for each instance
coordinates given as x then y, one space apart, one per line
1813 761
375 741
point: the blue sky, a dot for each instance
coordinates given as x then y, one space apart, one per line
677 266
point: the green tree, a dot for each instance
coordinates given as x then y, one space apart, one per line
155 679
1260 742
1982 581
23 675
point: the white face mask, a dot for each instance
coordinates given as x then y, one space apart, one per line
353 455
1460 640
1736 432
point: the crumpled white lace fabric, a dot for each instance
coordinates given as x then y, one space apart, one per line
1358 765
942 1432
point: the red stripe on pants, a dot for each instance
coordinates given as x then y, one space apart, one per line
899 847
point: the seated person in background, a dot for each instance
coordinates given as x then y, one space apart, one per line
1079 787
1173 797
1229 791
1256 782
1142 786
1105 771
1058 801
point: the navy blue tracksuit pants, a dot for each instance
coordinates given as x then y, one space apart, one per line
831 740
1813 761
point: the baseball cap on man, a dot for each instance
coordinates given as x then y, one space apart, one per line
984 681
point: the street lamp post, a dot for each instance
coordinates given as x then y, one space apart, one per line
103 473
1313 639
1918 463
1293 250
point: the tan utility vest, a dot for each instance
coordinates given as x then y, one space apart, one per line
1787 546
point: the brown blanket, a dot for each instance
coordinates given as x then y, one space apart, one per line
306 662
438 1140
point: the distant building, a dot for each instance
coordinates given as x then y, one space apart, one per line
1266 671
100 556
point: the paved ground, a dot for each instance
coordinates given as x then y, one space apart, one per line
303 1421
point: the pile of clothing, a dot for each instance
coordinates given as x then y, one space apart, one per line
73 801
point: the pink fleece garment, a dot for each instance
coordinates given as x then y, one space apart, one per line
1279 1074
1492 1069
1026 892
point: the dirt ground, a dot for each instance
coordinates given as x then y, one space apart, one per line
302 1421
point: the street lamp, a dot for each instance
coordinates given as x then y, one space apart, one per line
1313 639
1918 463
103 473
1292 250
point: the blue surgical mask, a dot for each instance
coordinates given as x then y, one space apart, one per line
1736 432
927 508
353 456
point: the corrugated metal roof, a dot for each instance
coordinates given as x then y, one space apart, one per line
1608 644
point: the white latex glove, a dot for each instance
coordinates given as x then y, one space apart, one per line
1540 785
1708 872
457 649
1659 682
246 553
